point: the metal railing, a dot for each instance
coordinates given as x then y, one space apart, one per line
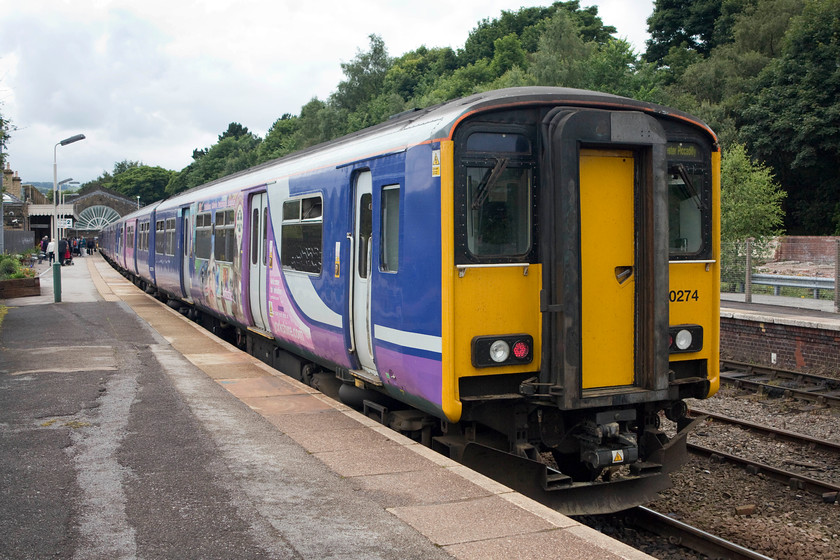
789 271
779 281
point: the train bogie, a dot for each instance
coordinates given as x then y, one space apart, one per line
532 272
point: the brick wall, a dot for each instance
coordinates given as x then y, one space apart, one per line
807 249
796 348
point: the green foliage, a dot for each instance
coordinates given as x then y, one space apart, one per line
750 208
231 154
507 54
365 75
10 267
279 140
412 74
688 24
792 114
751 200
149 183
562 53
762 73
525 23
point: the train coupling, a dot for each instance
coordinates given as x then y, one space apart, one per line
606 441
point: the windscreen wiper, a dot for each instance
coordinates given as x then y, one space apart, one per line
680 170
487 182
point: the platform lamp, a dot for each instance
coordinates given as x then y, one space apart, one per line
57 263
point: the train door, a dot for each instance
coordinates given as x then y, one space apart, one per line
607 260
186 244
258 274
604 248
360 305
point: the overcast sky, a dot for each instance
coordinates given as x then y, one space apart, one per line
151 80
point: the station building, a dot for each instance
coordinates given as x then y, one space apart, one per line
28 213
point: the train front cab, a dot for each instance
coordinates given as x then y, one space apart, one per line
572 228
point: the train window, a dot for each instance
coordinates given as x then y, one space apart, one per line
160 238
170 237
302 231
686 185
265 236
203 236
255 230
390 246
224 240
499 210
365 231
185 236
129 236
498 142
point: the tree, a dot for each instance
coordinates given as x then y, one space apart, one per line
149 183
508 53
125 165
528 24
280 139
750 207
365 75
5 128
231 154
561 57
688 24
792 116
234 130
750 199
412 74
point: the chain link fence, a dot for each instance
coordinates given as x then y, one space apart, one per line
794 271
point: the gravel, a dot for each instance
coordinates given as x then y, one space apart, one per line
748 509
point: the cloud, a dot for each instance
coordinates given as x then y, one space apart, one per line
150 81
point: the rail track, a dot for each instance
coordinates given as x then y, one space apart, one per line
827 490
778 382
682 534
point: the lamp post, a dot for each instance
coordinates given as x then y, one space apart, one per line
57 263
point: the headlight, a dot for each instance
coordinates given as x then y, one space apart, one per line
499 351
685 338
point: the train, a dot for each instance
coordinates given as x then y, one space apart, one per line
524 279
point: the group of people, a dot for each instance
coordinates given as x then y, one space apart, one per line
67 248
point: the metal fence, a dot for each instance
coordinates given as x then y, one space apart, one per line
795 271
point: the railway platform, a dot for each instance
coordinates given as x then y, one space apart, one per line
128 431
796 311
795 334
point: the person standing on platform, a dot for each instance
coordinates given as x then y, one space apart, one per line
51 250
82 247
63 247
43 253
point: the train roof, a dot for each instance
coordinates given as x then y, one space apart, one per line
417 127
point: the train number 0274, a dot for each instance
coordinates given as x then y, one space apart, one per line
677 296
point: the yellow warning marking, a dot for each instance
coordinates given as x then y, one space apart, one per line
617 457
435 163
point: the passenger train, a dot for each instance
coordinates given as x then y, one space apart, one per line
525 279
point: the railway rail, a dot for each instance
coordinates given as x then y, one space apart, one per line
682 534
827 490
778 382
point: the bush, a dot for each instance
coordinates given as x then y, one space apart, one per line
10 268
